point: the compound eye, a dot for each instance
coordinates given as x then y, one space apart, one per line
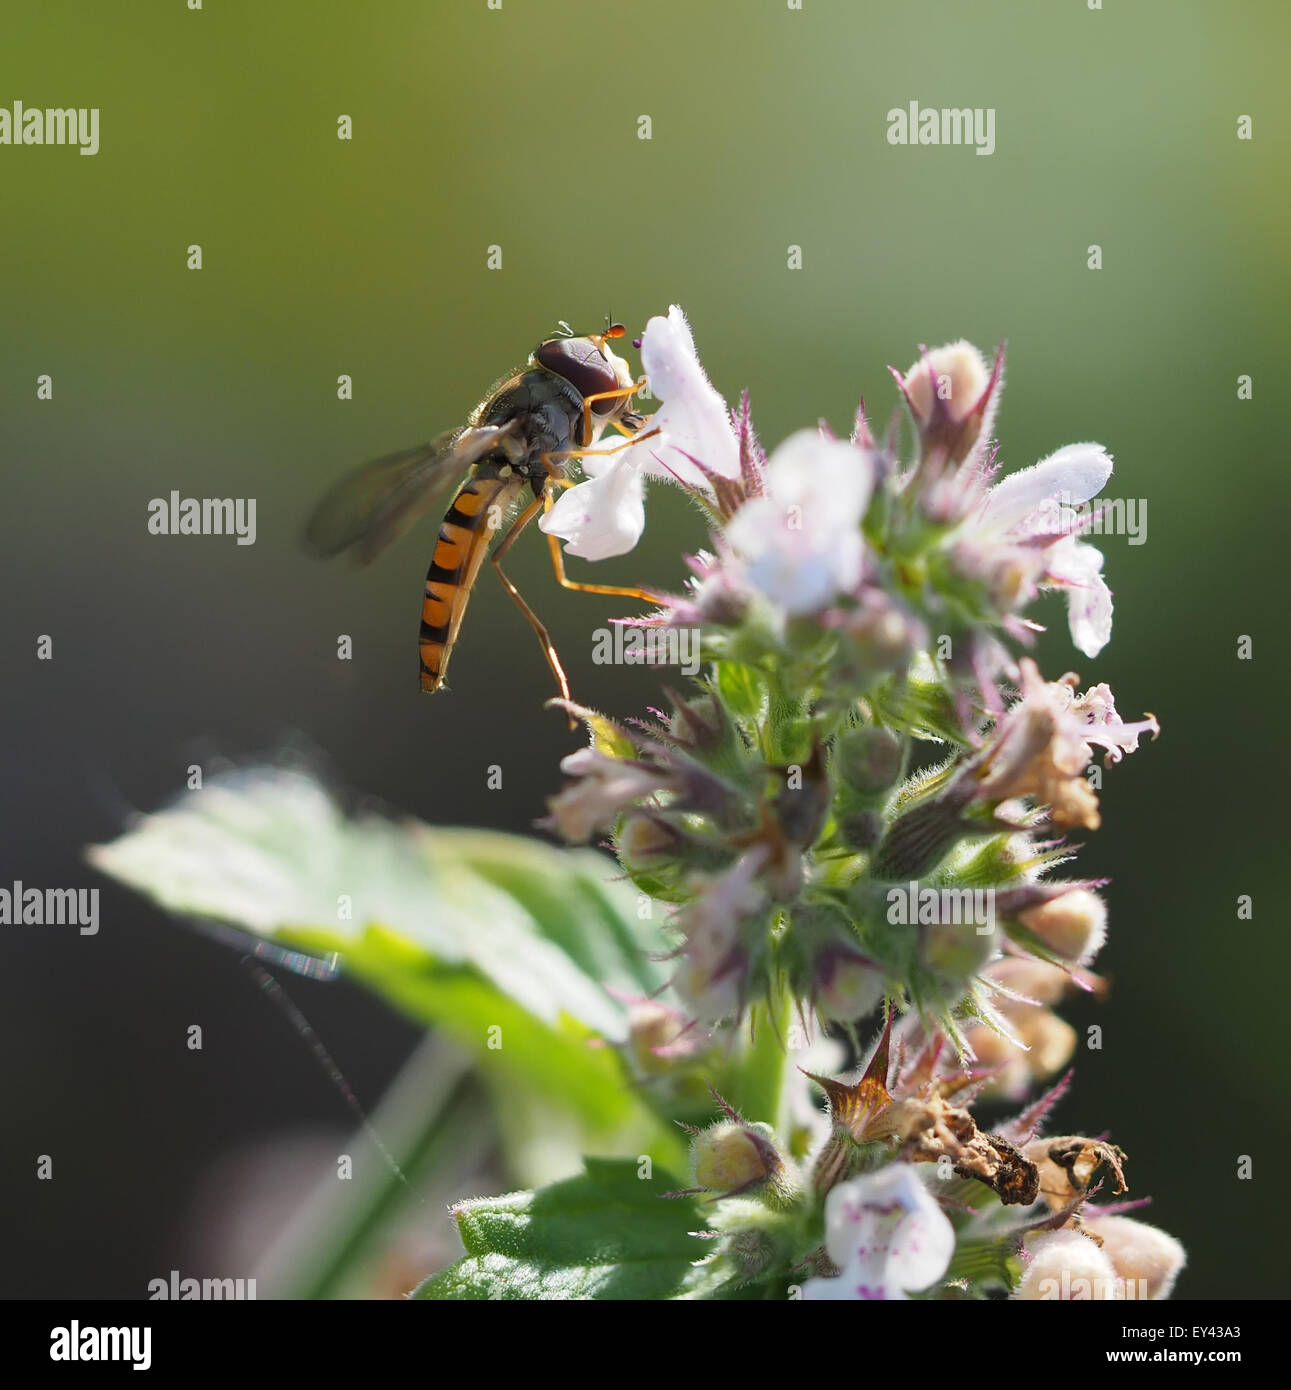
582 364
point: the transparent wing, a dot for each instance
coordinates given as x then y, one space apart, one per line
372 506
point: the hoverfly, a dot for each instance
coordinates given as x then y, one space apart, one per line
517 440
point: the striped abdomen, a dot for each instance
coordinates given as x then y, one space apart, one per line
478 509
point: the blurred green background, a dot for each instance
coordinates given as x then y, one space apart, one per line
518 127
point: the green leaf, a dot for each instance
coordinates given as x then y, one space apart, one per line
503 943
606 1234
570 896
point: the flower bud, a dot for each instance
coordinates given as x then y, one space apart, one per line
825 965
645 840
733 1156
848 985
920 838
1010 1075
801 801
1066 1264
749 1252
661 859
1037 979
1073 926
696 723
712 991
1148 1260
1050 1042
956 375
951 394
880 636
712 974
861 830
955 951
869 759
722 599
658 1035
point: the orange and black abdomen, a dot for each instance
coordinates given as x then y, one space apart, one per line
464 536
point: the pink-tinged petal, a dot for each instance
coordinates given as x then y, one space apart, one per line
800 543
964 370
1089 616
1066 1265
1077 568
1074 474
600 790
806 468
1043 744
710 977
782 564
693 421
603 516
668 355
1100 724
847 1290
1147 1258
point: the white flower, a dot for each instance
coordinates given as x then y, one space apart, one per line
602 788
800 543
1148 1259
710 976
886 1234
1077 567
1066 1265
1024 511
1077 470
1043 744
605 515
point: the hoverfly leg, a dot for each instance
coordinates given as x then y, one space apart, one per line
544 637
551 462
558 563
606 396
